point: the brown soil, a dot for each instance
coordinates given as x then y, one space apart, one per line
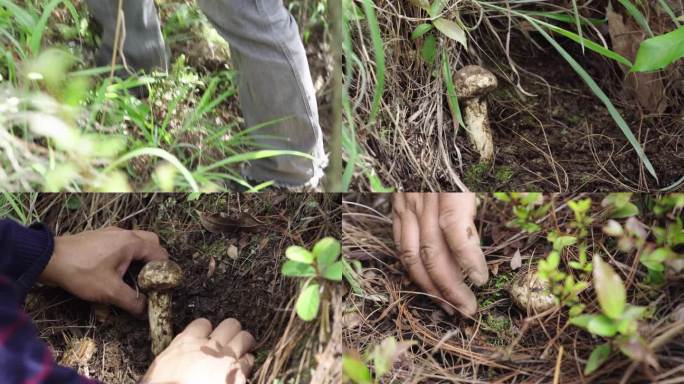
569 124
248 288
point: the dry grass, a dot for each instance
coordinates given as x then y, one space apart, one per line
503 344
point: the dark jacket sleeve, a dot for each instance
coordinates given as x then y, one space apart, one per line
24 253
24 358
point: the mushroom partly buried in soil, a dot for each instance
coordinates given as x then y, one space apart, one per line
528 292
472 84
157 279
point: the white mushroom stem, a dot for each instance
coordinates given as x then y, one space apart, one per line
159 312
473 83
476 120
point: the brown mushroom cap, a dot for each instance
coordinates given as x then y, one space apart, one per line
474 81
160 275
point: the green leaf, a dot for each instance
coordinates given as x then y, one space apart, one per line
356 370
609 289
421 30
429 49
660 51
582 321
628 210
334 271
564 241
598 356
308 302
553 260
451 30
575 265
296 269
437 7
602 326
326 251
300 254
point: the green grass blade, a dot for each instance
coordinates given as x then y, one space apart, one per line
452 97
601 95
25 19
39 29
586 43
157 152
669 11
637 15
577 22
376 39
255 155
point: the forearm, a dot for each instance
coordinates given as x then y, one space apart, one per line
24 253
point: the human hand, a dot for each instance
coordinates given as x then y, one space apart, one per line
200 355
438 243
91 265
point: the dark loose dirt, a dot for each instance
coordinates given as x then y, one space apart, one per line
248 287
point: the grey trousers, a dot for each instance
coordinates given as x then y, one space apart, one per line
274 82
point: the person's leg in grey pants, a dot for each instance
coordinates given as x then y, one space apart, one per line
273 75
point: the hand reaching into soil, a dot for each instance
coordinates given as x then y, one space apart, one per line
200 355
91 265
438 243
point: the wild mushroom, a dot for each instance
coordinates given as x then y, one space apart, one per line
528 292
472 84
158 278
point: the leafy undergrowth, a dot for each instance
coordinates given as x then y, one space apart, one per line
568 114
68 125
231 269
613 267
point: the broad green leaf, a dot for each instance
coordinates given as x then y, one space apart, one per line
598 356
553 260
308 302
627 210
300 254
429 49
326 251
356 370
582 321
437 7
602 326
564 241
609 289
296 269
421 30
660 51
451 30
334 271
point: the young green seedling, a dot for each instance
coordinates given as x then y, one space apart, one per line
314 267
617 321
380 357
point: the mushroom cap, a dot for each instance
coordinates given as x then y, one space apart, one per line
160 275
474 81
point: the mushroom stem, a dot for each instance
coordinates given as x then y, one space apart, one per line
473 83
476 121
158 278
159 313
